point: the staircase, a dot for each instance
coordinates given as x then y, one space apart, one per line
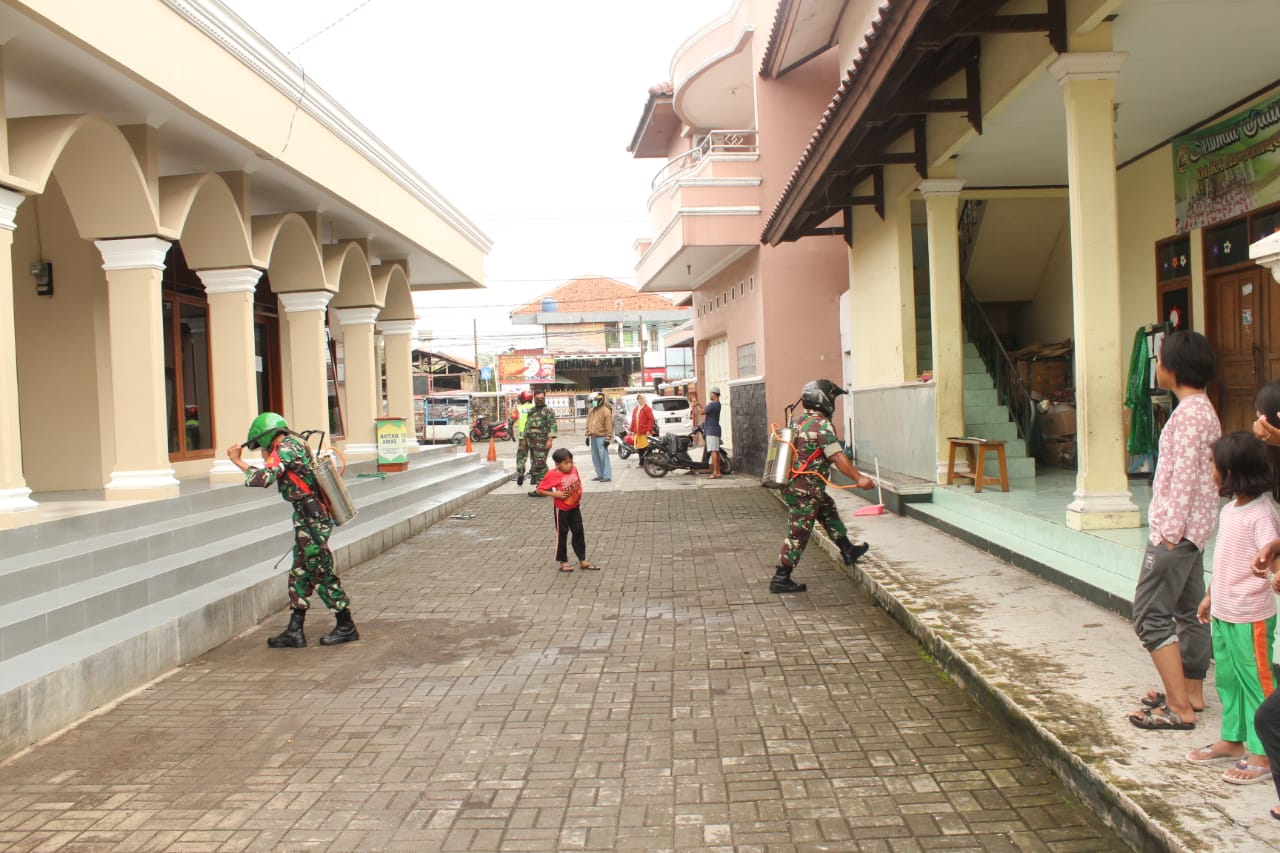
100 604
986 417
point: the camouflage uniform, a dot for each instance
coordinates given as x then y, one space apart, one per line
806 495
538 427
287 467
523 452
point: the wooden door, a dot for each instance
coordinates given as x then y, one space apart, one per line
1244 336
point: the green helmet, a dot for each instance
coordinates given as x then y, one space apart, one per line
263 429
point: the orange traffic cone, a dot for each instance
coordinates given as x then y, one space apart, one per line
468 442
493 450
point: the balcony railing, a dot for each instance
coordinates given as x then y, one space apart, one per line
717 142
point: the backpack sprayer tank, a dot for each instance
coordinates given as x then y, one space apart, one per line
334 490
780 456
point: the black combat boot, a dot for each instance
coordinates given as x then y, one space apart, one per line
519 478
850 552
292 637
344 632
782 582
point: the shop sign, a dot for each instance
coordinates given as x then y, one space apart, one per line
1227 169
520 369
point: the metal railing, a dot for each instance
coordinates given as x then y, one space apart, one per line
1010 389
970 219
714 143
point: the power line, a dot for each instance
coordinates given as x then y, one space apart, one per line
326 29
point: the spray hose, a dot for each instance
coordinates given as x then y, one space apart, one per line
803 469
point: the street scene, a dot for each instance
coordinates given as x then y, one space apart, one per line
493 703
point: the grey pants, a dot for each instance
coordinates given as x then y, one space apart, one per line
1170 589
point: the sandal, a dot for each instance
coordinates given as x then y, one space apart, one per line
1159 719
1258 773
1205 756
1155 699
590 567
565 567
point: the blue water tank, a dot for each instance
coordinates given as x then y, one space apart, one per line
548 305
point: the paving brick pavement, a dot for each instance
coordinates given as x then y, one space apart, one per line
667 702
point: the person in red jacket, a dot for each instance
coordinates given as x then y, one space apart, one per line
642 423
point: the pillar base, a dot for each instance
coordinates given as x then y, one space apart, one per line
16 500
225 472
142 485
359 452
1103 511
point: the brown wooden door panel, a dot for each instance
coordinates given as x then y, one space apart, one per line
1242 327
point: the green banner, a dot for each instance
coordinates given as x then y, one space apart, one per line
393 441
1227 169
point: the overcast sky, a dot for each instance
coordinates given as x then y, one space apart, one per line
518 112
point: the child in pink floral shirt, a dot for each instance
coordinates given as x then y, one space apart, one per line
1184 509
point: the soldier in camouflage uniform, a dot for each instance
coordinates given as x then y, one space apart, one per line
287 463
817 449
522 417
539 433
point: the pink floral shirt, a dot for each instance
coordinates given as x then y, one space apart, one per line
1184 499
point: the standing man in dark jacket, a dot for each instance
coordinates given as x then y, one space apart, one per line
599 432
711 431
817 449
287 463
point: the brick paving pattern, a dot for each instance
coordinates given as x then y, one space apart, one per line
667 702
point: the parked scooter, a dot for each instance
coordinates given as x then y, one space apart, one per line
482 429
625 443
671 453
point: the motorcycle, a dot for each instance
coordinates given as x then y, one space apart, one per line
625 443
671 453
500 430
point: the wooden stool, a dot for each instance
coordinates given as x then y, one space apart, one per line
976 451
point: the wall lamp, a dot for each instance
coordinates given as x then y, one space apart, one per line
42 272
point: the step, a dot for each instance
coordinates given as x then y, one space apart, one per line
252 531
978 382
47 688
1096 568
974 364
975 416
199 519
980 398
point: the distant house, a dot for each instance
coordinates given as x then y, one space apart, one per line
434 372
604 333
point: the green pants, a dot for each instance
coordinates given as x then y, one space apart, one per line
536 446
312 569
804 507
1242 672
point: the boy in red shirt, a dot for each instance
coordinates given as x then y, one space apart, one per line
564 485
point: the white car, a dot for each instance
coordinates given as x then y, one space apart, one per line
673 415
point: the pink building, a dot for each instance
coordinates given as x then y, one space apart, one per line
766 319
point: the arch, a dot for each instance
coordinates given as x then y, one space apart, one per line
287 247
347 265
100 176
392 284
205 213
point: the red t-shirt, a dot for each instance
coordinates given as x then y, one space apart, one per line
570 484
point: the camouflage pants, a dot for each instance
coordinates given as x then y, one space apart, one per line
522 454
803 509
537 450
312 569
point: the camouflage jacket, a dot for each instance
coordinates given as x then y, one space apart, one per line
541 422
286 466
814 435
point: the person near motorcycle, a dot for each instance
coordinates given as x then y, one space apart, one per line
599 431
287 463
522 454
540 430
817 450
642 423
711 431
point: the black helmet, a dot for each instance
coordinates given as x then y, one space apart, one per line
820 395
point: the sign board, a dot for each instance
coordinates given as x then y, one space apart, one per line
561 404
1228 168
515 369
486 373
393 444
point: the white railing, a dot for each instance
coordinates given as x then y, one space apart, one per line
717 142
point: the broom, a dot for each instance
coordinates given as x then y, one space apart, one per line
877 508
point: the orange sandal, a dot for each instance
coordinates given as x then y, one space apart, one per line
565 567
590 567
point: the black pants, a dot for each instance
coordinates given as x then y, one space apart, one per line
1267 723
570 521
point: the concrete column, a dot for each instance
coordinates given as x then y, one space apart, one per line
942 206
15 497
141 470
361 381
235 398
1102 498
308 381
398 337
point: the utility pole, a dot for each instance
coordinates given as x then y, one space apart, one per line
475 346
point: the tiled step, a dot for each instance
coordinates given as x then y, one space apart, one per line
1095 567
977 398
